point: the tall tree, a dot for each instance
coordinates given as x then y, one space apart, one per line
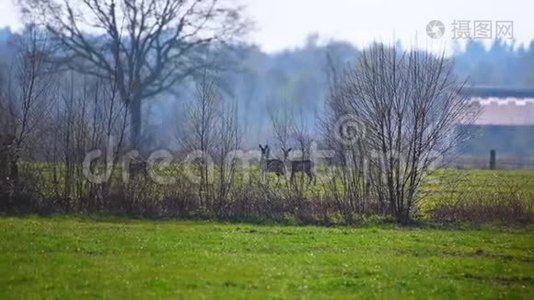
144 46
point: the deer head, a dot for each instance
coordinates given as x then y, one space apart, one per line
265 151
285 153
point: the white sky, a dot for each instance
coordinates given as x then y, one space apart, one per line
286 23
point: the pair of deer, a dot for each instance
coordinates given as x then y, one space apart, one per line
280 167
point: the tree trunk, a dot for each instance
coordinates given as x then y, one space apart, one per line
136 122
14 172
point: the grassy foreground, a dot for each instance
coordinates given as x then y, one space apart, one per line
71 257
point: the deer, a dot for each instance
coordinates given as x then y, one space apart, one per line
137 167
268 165
305 166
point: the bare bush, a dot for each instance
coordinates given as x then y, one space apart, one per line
211 133
407 104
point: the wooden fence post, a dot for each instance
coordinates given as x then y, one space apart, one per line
493 159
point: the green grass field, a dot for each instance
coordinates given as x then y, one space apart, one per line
82 257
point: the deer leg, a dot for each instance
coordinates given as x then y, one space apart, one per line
278 179
310 177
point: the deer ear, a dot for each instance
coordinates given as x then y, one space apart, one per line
261 147
288 149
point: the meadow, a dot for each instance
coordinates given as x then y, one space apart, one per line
69 257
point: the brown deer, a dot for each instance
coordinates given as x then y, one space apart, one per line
305 166
267 165
138 168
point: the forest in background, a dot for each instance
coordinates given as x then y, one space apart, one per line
296 80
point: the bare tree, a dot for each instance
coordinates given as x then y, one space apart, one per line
145 46
31 91
302 135
282 122
228 137
4 113
211 132
348 182
199 133
409 104
304 165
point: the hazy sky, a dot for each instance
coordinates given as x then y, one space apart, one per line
286 23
